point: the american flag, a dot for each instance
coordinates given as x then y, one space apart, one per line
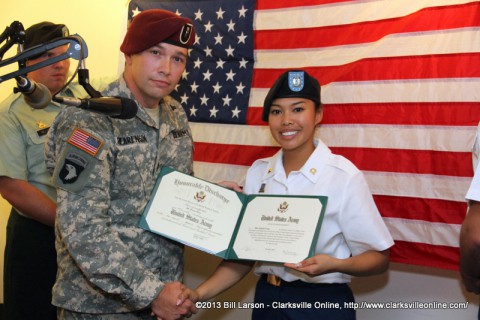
400 87
85 141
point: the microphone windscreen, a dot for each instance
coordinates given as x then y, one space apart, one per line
40 97
129 109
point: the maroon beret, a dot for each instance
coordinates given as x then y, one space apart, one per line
153 26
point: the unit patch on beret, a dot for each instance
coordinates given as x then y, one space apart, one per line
296 81
186 33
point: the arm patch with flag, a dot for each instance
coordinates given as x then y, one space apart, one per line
85 141
77 160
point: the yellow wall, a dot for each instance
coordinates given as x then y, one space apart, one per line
100 23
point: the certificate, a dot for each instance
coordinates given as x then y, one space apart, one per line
232 225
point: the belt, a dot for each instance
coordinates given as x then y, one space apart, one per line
279 282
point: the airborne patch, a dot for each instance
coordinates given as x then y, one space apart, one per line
85 141
72 168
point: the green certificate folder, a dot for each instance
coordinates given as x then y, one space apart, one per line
232 225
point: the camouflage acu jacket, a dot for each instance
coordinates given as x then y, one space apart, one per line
104 170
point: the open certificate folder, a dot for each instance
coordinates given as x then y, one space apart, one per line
232 225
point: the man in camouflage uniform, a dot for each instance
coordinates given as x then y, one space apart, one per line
105 169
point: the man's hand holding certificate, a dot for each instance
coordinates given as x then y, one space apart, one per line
233 225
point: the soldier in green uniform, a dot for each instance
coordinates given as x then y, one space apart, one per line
30 257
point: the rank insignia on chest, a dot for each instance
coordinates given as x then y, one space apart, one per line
85 141
41 124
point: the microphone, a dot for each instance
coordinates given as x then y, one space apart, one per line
36 95
119 108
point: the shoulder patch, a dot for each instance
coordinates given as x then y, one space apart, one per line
72 168
85 141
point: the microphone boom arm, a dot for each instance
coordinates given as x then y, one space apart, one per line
121 108
15 33
72 52
77 49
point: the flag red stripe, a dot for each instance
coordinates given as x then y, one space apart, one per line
441 113
433 210
428 19
462 65
281 4
425 255
409 161
393 160
243 155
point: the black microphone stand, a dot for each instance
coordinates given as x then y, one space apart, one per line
77 49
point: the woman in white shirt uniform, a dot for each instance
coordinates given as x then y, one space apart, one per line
470 232
353 240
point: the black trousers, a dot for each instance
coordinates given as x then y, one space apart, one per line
303 301
30 269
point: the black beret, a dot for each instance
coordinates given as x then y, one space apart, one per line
44 32
153 26
292 84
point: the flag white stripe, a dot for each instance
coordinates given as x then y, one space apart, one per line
433 233
431 90
380 183
396 45
454 139
216 172
437 138
391 91
418 185
342 13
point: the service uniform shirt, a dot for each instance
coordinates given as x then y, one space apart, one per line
474 190
105 170
23 131
351 224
